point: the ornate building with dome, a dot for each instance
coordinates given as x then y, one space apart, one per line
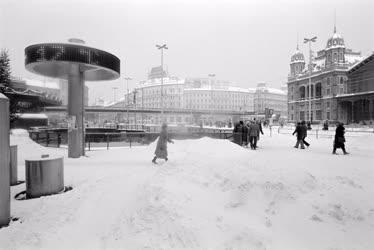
329 80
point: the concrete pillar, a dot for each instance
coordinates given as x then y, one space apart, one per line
76 112
4 162
352 111
13 165
371 107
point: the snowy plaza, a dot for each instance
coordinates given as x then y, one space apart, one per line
211 194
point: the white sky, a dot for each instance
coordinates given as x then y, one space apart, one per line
243 41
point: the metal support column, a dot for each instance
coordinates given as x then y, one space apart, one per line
76 112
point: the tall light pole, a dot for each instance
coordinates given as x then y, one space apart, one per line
162 47
114 94
127 96
310 40
211 76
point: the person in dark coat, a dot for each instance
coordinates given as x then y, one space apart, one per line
326 125
259 128
339 140
237 133
245 135
299 131
253 132
305 131
161 148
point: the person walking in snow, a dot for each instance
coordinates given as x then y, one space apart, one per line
339 140
161 148
299 131
305 131
259 129
245 135
237 133
253 132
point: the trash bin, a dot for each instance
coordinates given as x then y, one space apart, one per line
13 165
44 176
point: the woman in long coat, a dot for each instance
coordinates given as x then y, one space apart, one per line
339 141
161 148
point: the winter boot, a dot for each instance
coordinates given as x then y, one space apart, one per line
154 160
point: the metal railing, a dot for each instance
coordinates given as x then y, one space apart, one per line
56 138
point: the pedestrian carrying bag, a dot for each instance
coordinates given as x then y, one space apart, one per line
341 139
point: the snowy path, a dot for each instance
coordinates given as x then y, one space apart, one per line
211 194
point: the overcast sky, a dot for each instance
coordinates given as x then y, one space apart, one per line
246 42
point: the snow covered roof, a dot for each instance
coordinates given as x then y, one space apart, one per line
42 84
352 58
157 81
224 89
276 91
32 116
362 60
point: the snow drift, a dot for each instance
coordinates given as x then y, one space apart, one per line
211 194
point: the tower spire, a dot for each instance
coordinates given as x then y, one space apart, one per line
297 41
334 21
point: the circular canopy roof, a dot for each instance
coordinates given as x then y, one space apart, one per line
55 60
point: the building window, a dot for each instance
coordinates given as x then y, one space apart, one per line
341 80
328 91
318 115
328 81
327 104
328 115
302 114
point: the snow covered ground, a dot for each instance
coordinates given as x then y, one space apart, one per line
211 194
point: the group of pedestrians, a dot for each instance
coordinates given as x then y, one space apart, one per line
301 133
250 133
247 133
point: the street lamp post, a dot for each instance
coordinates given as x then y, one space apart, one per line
162 47
127 97
310 40
114 94
211 95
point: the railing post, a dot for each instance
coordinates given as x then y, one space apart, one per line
107 141
317 133
270 131
130 140
89 142
47 138
58 140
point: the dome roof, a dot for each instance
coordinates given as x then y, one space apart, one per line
336 41
297 56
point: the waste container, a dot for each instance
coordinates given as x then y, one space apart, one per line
13 165
44 176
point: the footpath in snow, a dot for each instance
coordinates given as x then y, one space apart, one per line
211 194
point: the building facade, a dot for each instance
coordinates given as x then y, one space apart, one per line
209 95
328 80
357 105
266 98
195 94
